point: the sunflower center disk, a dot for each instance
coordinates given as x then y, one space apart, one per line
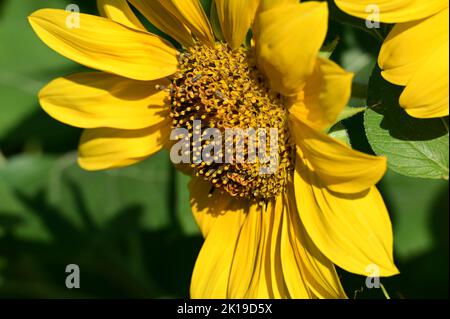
222 90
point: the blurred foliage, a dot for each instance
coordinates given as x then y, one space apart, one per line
130 230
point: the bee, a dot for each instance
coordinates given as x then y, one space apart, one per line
220 95
182 56
197 77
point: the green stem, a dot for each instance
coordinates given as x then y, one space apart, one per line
385 293
378 35
445 124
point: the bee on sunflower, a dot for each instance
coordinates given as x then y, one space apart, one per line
277 235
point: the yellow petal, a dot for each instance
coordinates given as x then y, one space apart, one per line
90 100
235 18
426 94
248 272
270 4
340 168
160 17
207 203
289 252
325 95
257 271
354 230
220 218
105 45
317 271
119 11
191 13
288 40
240 256
212 268
106 148
392 11
256 252
272 274
403 51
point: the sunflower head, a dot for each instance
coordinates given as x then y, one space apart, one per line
222 89
321 205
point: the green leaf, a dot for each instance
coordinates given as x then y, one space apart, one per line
414 147
349 112
27 172
107 193
412 203
23 176
102 195
126 228
339 132
26 64
184 213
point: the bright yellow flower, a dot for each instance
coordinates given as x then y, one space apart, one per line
275 235
415 53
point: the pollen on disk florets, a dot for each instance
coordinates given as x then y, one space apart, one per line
224 90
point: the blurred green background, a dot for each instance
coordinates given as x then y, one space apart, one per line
130 230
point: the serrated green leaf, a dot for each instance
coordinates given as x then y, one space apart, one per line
349 112
414 147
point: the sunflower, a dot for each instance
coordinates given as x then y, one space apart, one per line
415 53
266 236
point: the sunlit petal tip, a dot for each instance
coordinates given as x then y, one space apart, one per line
403 52
391 271
107 148
288 40
97 99
155 12
391 11
353 230
338 167
146 58
325 95
191 14
270 4
427 93
235 18
119 11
